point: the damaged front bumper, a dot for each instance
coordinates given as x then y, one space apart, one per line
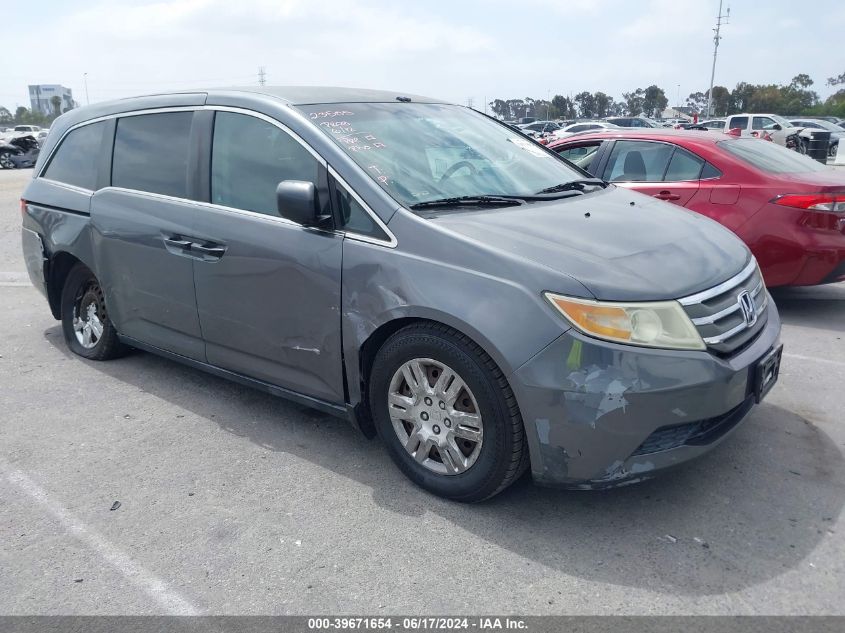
599 414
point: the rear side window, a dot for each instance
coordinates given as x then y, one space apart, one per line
250 157
683 166
75 161
638 161
581 155
710 171
151 153
740 122
770 157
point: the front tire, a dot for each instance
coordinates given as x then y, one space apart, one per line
446 413
86 326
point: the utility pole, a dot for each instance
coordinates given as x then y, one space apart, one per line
716 39
469 102
85 81
262 76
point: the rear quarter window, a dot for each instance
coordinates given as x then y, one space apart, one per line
76 159
770 157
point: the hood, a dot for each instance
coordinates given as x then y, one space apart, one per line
645 251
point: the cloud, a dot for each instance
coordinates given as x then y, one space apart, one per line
446 48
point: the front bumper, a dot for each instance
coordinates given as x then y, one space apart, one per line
599 414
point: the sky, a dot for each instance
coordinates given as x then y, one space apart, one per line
455 50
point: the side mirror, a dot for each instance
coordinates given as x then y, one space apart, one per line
297 200
777 126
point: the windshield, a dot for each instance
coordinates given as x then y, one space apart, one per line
779 119
827 125
771 157
419 152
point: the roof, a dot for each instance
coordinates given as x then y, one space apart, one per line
302 95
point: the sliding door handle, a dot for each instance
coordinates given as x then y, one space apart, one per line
177 245
211 252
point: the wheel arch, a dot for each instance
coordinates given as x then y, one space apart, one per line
363 352
60 264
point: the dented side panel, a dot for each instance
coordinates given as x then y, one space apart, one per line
434 274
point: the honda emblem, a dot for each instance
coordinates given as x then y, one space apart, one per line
749 309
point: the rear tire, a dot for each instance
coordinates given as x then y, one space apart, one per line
6 161
86 326
457 432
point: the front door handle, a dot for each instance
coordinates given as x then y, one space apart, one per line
667 195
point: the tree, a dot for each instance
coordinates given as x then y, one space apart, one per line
6 117
654 101
721 100
603 104
800 82
697 101
516 108
741 97
500 108
56 102
543 109
634 102
586 105
835 81
564 107
21 115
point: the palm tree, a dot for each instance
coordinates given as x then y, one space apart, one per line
56 102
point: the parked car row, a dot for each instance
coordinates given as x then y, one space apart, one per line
788 209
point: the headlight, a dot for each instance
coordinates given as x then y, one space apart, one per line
652 324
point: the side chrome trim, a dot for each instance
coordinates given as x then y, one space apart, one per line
733 282
68 186
196 108
391 241
106 117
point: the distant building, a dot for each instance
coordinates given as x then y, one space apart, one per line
678 112
40 96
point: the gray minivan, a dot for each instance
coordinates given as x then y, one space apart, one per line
416 267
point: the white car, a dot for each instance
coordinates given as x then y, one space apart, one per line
585 126
771 126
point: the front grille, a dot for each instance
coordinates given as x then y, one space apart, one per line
698 433
720 317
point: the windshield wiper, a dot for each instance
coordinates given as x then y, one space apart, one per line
579 185
467 201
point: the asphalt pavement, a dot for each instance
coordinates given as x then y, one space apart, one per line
140 486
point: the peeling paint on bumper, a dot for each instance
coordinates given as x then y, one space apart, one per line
589 405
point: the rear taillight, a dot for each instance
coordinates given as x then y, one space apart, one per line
23 207
832 202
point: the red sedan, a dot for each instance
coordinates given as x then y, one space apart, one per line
789 209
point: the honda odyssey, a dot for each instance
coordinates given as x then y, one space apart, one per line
413 266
